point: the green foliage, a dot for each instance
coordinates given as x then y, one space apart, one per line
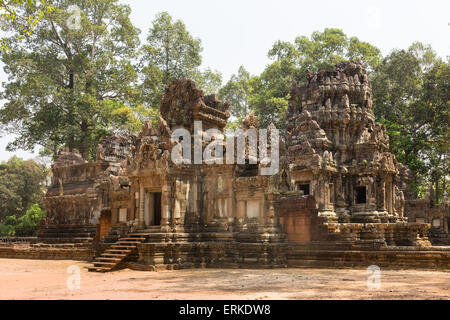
28 224
21 184
23 13
72 86
24 226
210 81
64 81
237 92
7 230
411 97
323 50
171 53
268 93
292 60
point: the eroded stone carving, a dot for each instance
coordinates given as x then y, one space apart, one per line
337 183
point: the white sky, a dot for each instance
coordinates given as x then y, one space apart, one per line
241 32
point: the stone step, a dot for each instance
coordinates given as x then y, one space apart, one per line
106 264
117 252
114 246
112 251
132 239
114 255
106 259
129 242
99 269
142 235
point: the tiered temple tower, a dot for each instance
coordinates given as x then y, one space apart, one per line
338 153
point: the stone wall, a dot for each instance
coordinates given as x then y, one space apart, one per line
156 256
298 216
389 257
213 255
52 253
438 217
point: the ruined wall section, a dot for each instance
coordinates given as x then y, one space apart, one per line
72 202
115 187
81 191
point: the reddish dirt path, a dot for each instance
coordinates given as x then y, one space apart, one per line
32 279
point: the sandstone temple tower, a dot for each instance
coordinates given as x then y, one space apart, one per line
337 151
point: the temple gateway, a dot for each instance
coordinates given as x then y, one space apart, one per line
340 198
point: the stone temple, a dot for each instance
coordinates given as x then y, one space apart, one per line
339 198
338 152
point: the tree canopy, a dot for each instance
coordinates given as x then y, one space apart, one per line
268 93
69 77
21 185
412 98
171 53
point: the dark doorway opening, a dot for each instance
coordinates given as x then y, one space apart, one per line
249 170
305 187
157 207
361 195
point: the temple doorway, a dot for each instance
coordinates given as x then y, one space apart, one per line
152 214
103 226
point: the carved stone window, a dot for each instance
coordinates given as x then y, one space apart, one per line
361 195
249 170
305 187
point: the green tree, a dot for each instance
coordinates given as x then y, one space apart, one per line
411 97
8 227
24 226
237 92
437 96
325 49
170 53
268 93
210 81
21 185
69 77
28 224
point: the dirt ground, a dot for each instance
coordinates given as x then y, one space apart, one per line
32 279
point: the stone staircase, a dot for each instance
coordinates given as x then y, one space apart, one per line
118 252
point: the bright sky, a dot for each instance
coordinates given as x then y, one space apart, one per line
241 32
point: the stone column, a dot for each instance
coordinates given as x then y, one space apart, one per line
446 226
165 208
141 206
239 214
389 198
381 195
